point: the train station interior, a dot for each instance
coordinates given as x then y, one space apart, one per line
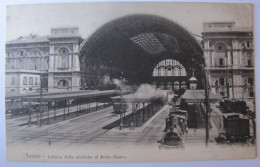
140 74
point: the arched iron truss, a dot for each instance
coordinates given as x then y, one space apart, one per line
134 45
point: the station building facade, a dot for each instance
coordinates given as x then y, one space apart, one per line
229 57
50 60
26 58
55 59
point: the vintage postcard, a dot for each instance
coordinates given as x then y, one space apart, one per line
130 82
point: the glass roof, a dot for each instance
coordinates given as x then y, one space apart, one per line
155 43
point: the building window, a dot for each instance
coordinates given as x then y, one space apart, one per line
216 83
220 47
36 81
161 85
169 86
221 61
21 53
12 81
25 80
248 44
221 81
64 58
250 81
222 93
24 91
176 85
183 85
62 83
31 81
35 67
169 67
251 92
249 62
20 64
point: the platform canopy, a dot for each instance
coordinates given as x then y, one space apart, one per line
137 98
74 95
198 96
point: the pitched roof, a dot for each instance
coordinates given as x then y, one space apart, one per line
193 96
32 38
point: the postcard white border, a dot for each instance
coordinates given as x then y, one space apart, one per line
237 163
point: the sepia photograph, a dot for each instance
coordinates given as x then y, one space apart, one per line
130 82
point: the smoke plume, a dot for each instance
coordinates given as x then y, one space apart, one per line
146 91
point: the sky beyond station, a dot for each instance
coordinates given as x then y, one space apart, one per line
22 20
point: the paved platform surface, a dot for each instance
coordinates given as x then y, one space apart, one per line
87 130
14 122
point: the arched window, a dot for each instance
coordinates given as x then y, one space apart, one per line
20 64
169 67
221 81
176 85
220 47
183 85
24 91
222 86
25 80
246 45
31 81
35 64
169 86
36 81
161 86
62 84
64 57
216 82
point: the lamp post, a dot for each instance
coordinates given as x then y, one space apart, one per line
40 106
53 104
121 103
207 97
30 114
69 101
232 71
122 106
39 114
227 74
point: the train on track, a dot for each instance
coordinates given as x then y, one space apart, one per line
236 129
175 129
236 122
